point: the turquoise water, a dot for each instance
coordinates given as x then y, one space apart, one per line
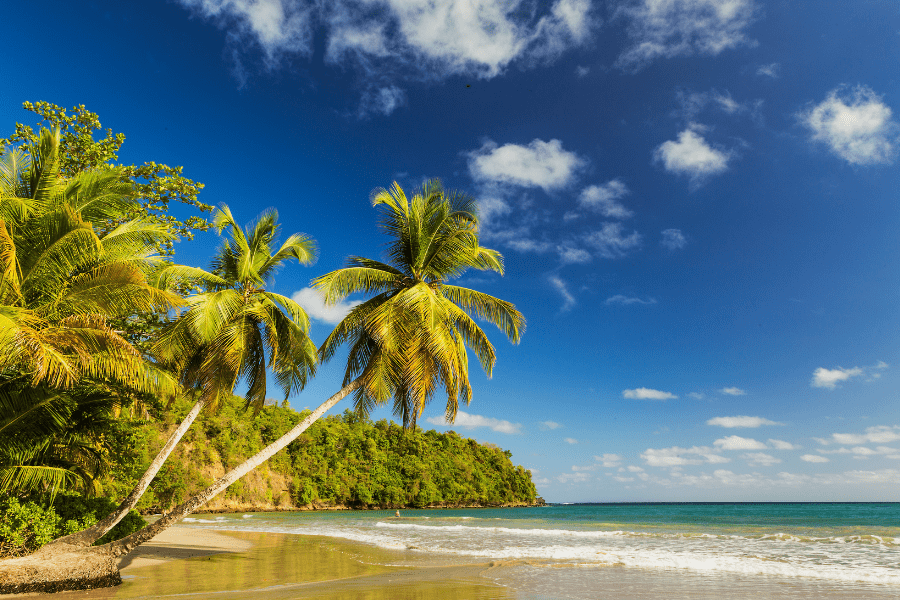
850 545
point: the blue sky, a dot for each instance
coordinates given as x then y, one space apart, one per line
696 200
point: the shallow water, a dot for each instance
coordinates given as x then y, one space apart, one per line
688 550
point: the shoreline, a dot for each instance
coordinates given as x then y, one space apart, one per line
258 508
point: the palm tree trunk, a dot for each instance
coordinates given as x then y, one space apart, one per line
129 543
98 530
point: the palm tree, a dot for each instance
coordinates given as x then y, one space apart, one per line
60 285
227 332
411 336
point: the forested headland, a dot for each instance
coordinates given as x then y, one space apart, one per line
340 461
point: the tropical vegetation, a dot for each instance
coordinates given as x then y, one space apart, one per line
98 325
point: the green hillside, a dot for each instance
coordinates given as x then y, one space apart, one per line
340 461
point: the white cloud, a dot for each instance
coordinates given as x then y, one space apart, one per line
693 103
314 305
570 440
814 458
669 28
647 394
550 425
611 242
539 164
569 255
604 199
782 445
582 71
830 378
855 124
733 391
736 442
626 300
770 70
432 39
741 421
383 101
691 155
673 239
609 460
880 434
562 288
576 477
623 479
275 25
635 469
675 456
467 421
760 458
697 395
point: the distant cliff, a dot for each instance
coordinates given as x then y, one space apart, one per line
340 462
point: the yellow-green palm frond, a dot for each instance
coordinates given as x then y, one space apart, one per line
100 195
10 274
373 277
173 276
136 241
498 312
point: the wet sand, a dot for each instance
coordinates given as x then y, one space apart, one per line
193 563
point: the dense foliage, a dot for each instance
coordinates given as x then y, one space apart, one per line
26 525
340 460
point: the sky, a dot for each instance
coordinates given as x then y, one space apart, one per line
696 201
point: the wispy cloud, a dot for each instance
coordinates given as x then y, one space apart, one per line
314 305
647 394
741 421
813 458
673 239
611 241
879 434
383 101
563 289
676 456
626 300
760 459
609 461
692 155
855 124
569 440
733 391
468 421
682 28
771 70
782 445
545 425
605 199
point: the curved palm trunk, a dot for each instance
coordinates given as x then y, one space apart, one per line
98 530
127 544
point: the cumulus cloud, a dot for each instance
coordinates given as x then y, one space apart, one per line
733 391
609 460
382 101
740 421
855 125
675 456
782 445
626 300
612 242
673 239
570 441
605 199
760 458
550 425
314 305
692 155
435 39
576 477
813 458
569 255
467 421
563 289
647 394
880 434
830 378
539 164
736 442
682 28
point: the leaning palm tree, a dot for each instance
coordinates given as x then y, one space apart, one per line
227 333
60 285
411 336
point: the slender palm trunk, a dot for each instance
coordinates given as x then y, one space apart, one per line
127 544
98 530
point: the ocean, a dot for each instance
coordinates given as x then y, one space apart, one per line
716 550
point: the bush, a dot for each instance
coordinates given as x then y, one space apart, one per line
26 525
